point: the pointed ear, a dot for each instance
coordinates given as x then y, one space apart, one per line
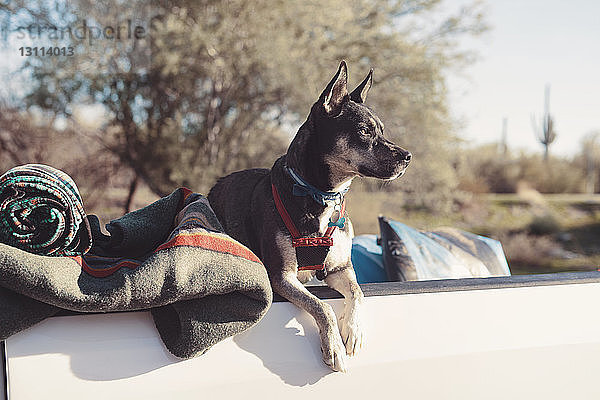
336 91
359 95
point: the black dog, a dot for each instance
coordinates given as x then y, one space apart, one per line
294 213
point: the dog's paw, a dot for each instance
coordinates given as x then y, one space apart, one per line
334 354
351 332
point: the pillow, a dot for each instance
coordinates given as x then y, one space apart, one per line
403 253
411 254
367 259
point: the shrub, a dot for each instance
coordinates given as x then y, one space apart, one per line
527 250
546 224
485 168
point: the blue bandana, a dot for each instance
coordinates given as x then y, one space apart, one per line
303 188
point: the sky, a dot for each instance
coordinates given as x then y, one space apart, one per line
531 43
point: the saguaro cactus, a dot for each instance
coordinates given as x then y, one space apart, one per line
544 130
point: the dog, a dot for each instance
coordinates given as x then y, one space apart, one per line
340 140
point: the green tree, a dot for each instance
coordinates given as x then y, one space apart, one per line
32 136
217 86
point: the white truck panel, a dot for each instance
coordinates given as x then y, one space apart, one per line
540 342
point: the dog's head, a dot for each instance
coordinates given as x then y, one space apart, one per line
348 136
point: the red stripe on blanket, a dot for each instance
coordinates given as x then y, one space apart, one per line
203 240
186 192
107 271
210 242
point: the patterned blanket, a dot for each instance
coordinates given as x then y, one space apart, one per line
171 257
41 212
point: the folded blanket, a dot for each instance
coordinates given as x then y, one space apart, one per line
41 212
171 257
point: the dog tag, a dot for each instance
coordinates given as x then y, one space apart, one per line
337 219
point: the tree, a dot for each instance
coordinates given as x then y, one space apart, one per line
31 136
217 86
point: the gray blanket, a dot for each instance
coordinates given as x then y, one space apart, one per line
170 257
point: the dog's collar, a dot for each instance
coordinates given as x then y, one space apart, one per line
303 188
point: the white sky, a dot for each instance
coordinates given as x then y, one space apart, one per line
532 43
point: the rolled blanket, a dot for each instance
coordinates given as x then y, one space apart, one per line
41 212
171 257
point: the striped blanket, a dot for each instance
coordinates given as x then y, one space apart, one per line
194 226
41 212
170 257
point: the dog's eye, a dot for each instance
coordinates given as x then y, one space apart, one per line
364 133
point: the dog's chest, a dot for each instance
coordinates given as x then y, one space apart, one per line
324 219
339 253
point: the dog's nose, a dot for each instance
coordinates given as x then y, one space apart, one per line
407 157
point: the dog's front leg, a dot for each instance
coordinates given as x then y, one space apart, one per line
288 286
344 281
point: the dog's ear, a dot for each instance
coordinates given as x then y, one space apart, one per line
336 91
359 95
